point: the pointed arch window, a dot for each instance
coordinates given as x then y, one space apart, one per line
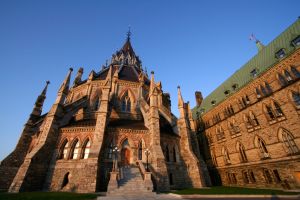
288 141
226 156
167 154
97 103
262 148
126 103
86 149
242 152
296 98
75 149
295 72
233 127
267 176
263 90
282 80
140 151
268 88
278 110
270 112
174 155
258 94
288 76
213 157
220 133
64 150
254 120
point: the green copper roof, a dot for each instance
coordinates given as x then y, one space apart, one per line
262 61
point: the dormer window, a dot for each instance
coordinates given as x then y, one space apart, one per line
213 102
296 42
202 110
235 86
280 54
253 73
227 92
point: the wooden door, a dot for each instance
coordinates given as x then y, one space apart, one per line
125 157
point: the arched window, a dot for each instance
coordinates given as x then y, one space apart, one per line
282 80
213 157
288 141
167 154
278 110
270 112
253 118
226 156
263 90
140 151
242 153
258 94
174 155
64 150
245 177
75 149
295 72
268 87
251 176
65 180
86 149
288 76
233 127
109 151
97 103
267 176
262 148
126 103
220 133
296 98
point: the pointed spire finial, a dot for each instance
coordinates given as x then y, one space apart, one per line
128 33
180 99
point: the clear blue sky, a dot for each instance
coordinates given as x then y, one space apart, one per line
195 44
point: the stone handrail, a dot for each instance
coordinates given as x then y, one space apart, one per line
146 175
142 168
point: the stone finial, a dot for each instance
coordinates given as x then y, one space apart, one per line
65 85
199 98
180 99
77 79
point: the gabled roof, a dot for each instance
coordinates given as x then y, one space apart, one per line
262 61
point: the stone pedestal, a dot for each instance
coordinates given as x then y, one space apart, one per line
113 182
148 181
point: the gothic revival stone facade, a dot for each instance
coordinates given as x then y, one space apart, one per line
72 147
249 127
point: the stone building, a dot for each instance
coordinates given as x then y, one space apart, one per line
249 127
116 114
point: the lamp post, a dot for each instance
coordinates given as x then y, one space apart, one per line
147 153
115 163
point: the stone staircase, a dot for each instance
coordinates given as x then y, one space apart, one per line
131 184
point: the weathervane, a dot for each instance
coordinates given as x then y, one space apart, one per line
253 38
